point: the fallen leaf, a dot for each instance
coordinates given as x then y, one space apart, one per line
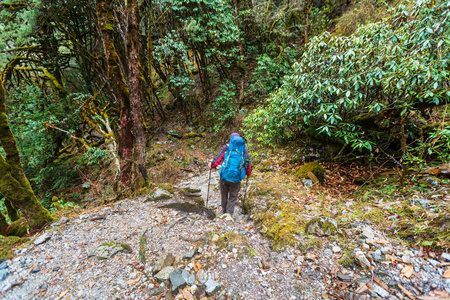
436 294
362 288
384 242
382 284
408 271
62 294
187 294
447 273
133 281
285 266
407 293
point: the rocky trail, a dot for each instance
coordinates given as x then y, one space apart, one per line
159 247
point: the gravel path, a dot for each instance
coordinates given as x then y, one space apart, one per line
61 267
231 253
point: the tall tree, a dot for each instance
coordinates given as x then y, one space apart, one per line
14 185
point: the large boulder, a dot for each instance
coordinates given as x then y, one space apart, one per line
315 168
323 226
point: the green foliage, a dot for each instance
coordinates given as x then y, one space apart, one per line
342 85
225 107
38 144
16 26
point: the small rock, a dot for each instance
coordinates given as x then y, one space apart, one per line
86 185
194 289
327 252
163 261
234 250
376 255
386 250
226 217
164 274
42 239
365 247
336 249
368 232
212 287
190 254
291 257
35 270
380 291
344 277
189 278
177 280
310 256
434 262
426 268
157 291
265 265
400 267
446 256
370 242
361 259
215 238
308 183
300 260
3 275
133 275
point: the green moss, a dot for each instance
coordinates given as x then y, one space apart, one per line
310 243
229 239
18 228
11 210
167 187
8 243
190 135
347 259
126 247
312 167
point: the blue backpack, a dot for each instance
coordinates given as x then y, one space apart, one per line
233 162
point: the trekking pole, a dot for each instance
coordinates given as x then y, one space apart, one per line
245 193
209 181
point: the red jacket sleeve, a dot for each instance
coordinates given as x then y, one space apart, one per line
217 160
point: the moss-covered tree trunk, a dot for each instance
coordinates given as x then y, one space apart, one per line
134 83
14 185
119 87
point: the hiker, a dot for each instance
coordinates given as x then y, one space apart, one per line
236 164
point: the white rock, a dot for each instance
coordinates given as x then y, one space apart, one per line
380 291
368 232
336 249
42 239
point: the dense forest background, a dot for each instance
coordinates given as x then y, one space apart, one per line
87 85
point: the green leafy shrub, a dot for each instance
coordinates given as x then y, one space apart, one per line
363 90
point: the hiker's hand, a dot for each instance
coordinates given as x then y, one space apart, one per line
209 165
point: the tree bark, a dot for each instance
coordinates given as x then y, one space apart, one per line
119 87
14 185
134 83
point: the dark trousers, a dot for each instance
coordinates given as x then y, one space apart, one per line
229 192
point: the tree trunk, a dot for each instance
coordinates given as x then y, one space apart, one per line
134 83
119 87
14 185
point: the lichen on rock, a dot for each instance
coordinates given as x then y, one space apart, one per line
323 226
